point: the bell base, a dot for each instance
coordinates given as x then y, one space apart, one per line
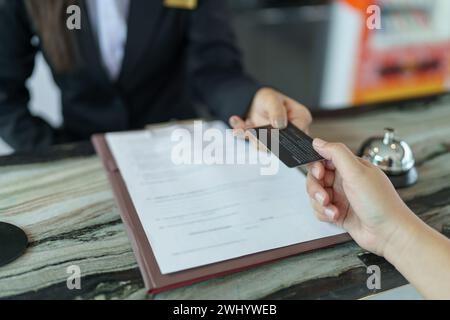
13 243
404 180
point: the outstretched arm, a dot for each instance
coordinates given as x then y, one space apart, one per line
357 196
218 77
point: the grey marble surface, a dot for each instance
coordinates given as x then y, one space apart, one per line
66 207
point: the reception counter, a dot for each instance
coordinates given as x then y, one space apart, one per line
63 201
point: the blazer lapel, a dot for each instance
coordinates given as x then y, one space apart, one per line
144 17
88 46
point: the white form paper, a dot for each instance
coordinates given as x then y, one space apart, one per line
194 215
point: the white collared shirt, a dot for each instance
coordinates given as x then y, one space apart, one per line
109 19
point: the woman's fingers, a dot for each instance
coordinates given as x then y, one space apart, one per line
324 176
317 170
319 214
343 159
316 191
321 192
328 178
298 114
242 129
325 213
329 165
237 123
249 123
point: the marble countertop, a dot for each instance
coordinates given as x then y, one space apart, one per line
63 201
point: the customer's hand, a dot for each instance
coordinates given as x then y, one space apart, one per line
272 107
355 195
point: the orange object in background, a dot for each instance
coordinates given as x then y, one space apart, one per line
408 57
401 73
360 5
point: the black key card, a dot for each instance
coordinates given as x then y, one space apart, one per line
294 146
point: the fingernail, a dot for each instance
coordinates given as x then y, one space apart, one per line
315 172
280 123
329 213
233 121
319 197
319 142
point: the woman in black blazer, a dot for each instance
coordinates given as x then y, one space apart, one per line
170 58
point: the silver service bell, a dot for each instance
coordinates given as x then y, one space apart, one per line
393 156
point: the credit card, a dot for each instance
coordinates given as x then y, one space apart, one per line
294 146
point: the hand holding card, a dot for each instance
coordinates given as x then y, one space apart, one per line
293 146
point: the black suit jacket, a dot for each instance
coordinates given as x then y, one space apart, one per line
171 56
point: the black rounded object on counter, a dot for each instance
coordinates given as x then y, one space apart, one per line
13 243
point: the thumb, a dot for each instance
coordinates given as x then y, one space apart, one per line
341 156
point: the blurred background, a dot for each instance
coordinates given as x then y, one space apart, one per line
321 52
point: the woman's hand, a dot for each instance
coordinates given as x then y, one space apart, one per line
272 107
355 195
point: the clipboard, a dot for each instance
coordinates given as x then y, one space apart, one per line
157 282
